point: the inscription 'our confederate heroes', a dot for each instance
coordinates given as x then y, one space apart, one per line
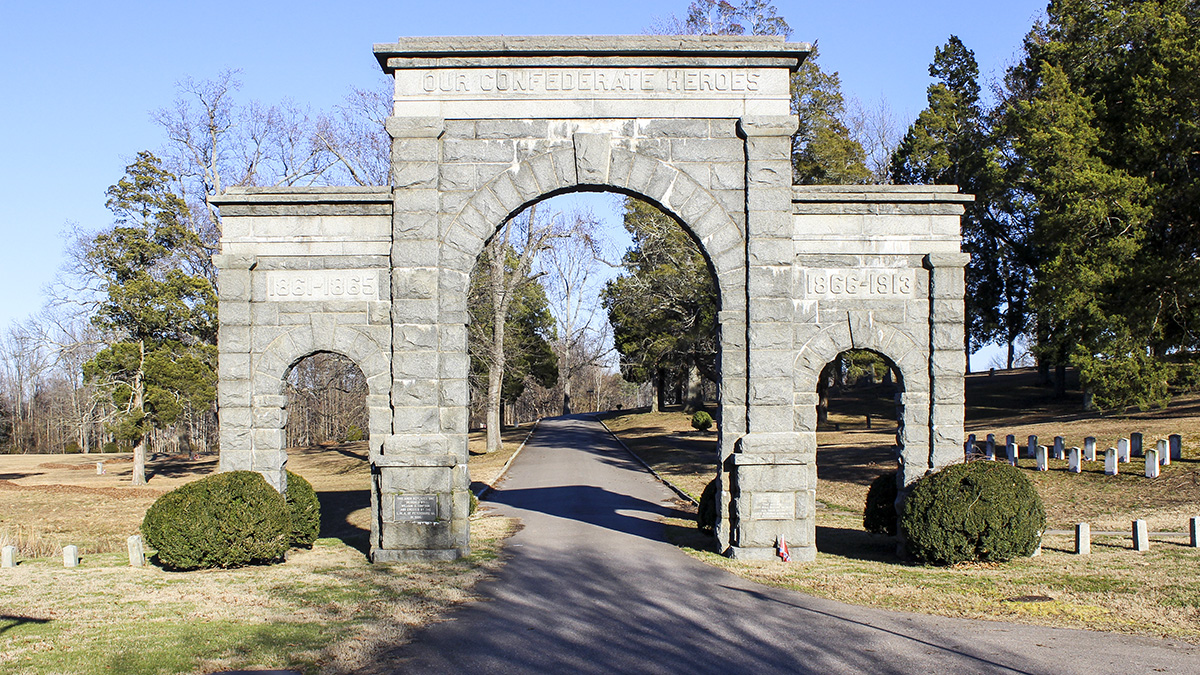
592 80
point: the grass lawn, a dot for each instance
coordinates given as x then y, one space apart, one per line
325 610
1115 588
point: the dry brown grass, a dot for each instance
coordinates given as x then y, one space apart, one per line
1115 588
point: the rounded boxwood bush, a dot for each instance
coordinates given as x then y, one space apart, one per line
979 511
224 520
706 513
702 421
304 509
879 515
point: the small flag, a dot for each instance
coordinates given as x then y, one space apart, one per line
782 548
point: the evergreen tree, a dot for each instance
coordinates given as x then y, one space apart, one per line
824 152
949 144
663 308
161 364
1103 118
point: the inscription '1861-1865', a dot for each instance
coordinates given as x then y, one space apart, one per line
591 80
304 285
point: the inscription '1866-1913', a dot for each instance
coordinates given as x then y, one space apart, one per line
859 283
591 80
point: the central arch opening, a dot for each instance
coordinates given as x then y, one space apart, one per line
613 309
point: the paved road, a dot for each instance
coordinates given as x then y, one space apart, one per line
592 588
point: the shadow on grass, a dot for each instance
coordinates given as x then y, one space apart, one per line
336 507
8 621
858 545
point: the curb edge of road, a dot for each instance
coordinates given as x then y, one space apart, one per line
641 461
488 487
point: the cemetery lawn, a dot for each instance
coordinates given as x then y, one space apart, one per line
325 610
1154 593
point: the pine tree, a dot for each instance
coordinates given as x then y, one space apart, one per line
162 362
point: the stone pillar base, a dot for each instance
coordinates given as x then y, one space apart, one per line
799 553
383 555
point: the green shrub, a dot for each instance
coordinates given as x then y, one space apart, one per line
879 515
353 433
982 511
72 448
702 421
706 514
110 447
304 509
224 520
474 504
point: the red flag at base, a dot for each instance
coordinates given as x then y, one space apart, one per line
782 548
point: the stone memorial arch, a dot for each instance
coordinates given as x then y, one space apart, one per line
482 128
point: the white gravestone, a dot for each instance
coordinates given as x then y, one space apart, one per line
989 449
1073 463
969 447
1164 455
1123 450
137 553
1010 451
1135 444
1176 443
1110 462
70 555
1194 531
1058 447
1152 466
1141 536
1083 539
99 468
1041 458
1031 446
1089 449
8 556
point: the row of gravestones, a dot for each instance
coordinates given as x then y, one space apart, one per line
70 552
1140 536
1167 449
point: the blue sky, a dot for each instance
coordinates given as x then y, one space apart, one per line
81 78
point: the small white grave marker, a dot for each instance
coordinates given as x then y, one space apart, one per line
1083 539
1011 451
989 449
137 553
1089 449
969 447
1041 458
1164 455
1123 450
70 555
1141 536
1176 443
99 468
1194 531
1031 446
1058 447
1073 463
1135 444
8 556
1152 463
1110 462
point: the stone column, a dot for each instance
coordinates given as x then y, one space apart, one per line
420 478
234 371
947 360
775 468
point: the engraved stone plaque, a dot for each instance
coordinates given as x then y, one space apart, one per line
313 285
773 505
415 509
859 284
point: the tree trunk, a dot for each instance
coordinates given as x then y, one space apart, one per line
1060 380
694 399
495 384
139 450
660 395
1012 352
